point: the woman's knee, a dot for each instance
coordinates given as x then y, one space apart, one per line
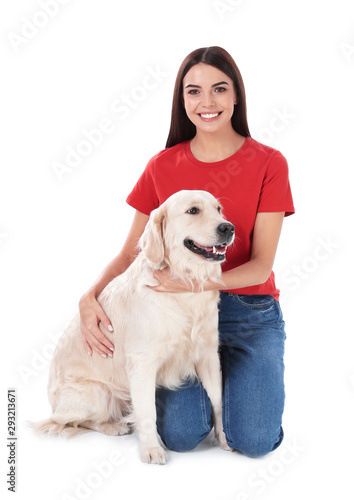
183 441
183 416
256 445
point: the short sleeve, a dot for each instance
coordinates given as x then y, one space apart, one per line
276 193
143 197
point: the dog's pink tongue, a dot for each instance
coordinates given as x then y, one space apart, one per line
208 249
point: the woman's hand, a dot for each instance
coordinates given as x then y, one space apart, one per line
91 314
169 283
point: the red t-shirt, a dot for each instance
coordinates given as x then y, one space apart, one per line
254 179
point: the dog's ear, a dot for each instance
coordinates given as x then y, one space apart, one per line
151 241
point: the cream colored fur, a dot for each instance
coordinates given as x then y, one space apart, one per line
160 338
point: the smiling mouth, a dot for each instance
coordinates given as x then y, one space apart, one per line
209 253
209 116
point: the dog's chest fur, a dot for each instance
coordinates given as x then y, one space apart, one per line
173 329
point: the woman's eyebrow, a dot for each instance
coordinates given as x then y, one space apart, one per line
199 87
220 83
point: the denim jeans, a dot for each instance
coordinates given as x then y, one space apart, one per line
251 336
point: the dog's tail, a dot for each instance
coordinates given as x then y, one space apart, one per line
51 427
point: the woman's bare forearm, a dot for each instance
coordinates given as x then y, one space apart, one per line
251 273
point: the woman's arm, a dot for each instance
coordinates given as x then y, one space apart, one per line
91 312
256 271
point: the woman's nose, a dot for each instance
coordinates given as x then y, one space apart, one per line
208 100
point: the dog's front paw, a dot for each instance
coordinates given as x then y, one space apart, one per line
154 455
222 440
115 428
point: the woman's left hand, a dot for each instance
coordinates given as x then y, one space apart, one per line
169 283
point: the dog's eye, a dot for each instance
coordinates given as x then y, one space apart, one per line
219 209
193 211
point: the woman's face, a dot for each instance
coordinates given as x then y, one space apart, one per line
209 98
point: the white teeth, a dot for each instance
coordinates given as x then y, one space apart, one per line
218 253
214 115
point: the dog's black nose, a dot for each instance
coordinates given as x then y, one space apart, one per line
226 229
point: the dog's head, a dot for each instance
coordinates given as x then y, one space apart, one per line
186 231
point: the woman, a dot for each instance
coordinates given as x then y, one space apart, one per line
209 147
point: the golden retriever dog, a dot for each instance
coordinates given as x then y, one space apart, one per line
161 339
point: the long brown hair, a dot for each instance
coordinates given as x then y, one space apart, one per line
182 129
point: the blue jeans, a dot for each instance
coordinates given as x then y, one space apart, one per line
251 335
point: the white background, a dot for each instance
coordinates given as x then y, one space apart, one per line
57 234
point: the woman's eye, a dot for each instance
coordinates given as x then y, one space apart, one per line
193 92
193 211
220 89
